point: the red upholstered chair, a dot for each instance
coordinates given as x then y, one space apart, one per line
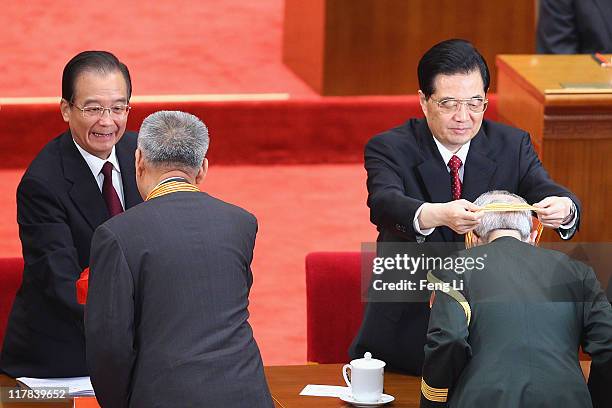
333 304
11 270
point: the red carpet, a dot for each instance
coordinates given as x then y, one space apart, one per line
242 132
227 47
171 47
300 209
184 49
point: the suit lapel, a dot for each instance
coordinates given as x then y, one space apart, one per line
433 172
84 192
479 168
125 156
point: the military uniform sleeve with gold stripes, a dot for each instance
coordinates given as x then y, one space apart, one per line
446 349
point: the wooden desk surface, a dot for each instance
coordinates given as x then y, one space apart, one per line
286 382
543 76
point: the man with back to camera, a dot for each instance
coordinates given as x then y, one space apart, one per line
509 336
166 316
78 180
423 175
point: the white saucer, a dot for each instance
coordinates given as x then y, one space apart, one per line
384 399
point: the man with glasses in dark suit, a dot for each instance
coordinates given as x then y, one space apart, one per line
424 175
78 180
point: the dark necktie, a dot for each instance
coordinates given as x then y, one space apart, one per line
113 204
454 164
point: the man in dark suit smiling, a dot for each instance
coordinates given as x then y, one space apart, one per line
79 180
423 175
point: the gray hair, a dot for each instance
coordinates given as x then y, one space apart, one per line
173 138
513 220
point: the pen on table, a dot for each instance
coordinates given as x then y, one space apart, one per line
600 59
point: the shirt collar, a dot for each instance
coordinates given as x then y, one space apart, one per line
175 178
95 163
447 154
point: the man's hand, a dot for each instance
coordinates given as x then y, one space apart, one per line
554 211
459 215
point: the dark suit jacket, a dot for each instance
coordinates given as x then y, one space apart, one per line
59 205
574 27
405 170
166 316
529 311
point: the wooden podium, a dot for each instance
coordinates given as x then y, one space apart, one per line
565 103
372 47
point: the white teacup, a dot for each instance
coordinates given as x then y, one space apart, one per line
367 375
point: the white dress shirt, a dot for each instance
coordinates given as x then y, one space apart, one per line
95 165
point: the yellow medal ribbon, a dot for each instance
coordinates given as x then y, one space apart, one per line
502 207
171 187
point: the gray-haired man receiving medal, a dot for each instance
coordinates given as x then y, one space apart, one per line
166 316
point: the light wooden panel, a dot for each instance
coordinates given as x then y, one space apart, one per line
573 128
373 46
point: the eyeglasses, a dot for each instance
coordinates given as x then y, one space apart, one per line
451 105
96 112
